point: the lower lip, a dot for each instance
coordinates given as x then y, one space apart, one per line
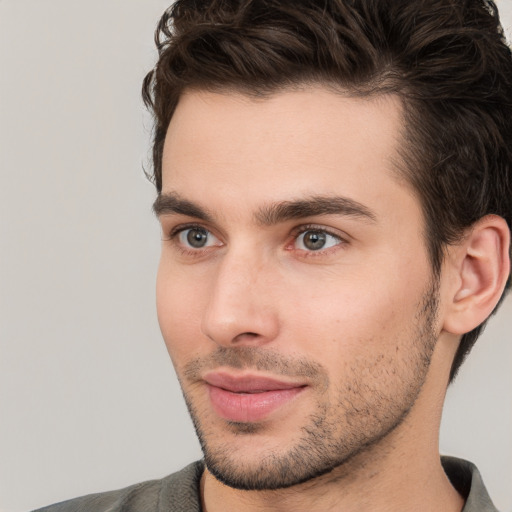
250 407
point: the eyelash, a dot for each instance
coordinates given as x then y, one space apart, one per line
187 251
295 234
300 230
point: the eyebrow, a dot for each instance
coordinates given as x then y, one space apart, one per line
268 215
311 207
173 203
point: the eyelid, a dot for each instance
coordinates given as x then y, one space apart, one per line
189 252
176 230
299 230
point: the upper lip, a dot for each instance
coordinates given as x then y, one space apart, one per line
247 383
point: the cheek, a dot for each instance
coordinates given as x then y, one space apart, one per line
179 313
350 313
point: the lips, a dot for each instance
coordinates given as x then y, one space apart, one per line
248 398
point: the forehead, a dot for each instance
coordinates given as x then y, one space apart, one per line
291 144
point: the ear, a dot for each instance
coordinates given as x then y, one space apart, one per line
479 268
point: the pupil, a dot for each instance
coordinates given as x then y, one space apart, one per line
314 240
196 238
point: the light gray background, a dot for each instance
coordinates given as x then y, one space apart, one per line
88 399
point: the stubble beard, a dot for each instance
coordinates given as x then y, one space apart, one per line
335 433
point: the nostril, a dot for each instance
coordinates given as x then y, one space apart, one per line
246 335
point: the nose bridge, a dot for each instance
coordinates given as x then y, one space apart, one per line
240 309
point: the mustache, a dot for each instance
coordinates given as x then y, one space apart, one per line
255 358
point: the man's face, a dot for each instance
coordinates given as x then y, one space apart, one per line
294 291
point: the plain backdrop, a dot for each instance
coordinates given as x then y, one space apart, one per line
88 397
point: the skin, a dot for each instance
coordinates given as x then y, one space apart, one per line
359 324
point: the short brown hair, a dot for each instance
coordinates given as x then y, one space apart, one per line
446 59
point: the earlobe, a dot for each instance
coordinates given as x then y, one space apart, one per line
482 266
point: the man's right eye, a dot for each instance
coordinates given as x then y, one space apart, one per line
196 238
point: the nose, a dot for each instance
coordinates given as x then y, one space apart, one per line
241 310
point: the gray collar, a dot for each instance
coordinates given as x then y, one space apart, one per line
466 478
182 488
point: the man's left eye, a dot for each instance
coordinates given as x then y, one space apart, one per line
316 240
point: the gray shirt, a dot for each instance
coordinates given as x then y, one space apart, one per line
179 492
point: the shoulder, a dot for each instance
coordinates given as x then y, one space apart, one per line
466 478
174 493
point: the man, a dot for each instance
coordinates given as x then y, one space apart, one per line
335 195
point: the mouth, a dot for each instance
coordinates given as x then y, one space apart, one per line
249 398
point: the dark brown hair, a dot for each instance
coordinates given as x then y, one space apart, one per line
446 59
